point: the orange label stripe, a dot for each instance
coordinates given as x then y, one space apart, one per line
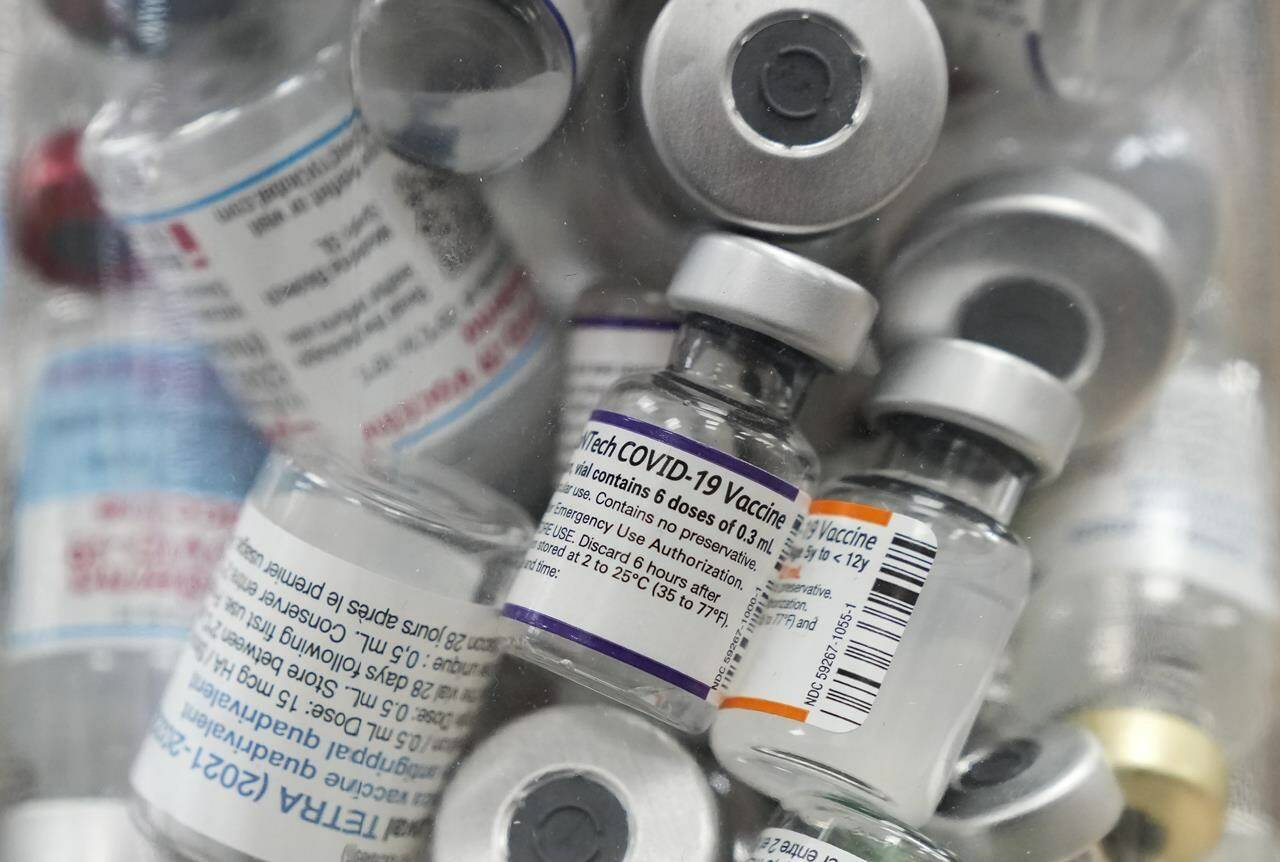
851 510
755 704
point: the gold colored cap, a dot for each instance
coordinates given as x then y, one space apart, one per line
1171 772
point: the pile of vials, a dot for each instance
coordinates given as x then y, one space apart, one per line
636 431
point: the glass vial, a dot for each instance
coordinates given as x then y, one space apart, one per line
1157 561
343 294
830 829
335 670
687 484
867 664
579 782
132 465
1048 796
471 85
612 334
782 93
1079 50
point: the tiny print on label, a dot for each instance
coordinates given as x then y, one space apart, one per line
783 845
317 706
826 636
655 551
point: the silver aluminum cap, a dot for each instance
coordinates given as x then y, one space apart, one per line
568 783
1048 797
985 390
86 830
793 119
776 293
1059 267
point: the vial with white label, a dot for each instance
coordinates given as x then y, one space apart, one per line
335 670
830 829
1047 796
687 484
343 294
1158 582
471 85
902 589
612 334
132 464
1078 50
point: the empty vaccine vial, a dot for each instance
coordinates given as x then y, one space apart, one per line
806 99
342 293
612 334
874 612
687 484
471 85
833 830
580 782
1060 267
1048 796
1079 50
132 464
1158 582
333 674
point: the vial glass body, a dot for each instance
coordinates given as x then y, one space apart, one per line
471 86
391 577
132 466
839 831
345 295
613 334
901 594
1157 565
726 392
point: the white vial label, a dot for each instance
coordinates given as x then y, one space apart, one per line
1186 494
134 464
602 350
783 845
825 640
344 291
655 551
317 706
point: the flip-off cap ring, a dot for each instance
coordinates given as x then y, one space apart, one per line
1048 797
985 390
793 120
776 293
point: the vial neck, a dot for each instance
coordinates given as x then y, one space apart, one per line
956 463
741 366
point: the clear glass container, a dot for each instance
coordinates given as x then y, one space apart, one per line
964 490
428 549
735 392
322 271
613 333
839 830
471 85
132 465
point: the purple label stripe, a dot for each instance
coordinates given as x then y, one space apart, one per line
706 453
607 647
627 323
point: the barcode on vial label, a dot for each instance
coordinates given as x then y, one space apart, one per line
823 640
881 622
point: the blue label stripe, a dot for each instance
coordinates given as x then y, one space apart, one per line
292 158
568 37
607 647
626 323
706 453
517 363
105 632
